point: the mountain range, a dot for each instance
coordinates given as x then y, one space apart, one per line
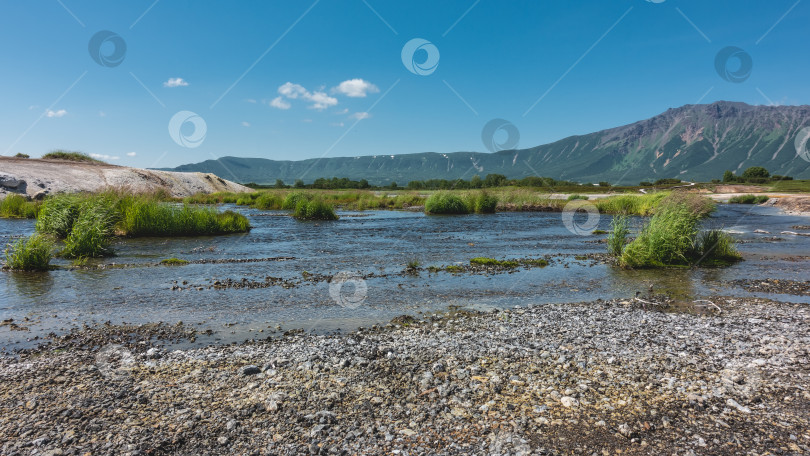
693 142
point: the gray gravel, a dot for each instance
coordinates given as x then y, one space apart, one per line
587 378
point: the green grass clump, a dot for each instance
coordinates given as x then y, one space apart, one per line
482 202
174 262
454 268
576 197
619 230
536 262
18 206
630 204
268 201
599 232
58 214
315 209
716 247
292 199
748 199
32 254
152 218
92 233
492 262
670 238
70 156
445 203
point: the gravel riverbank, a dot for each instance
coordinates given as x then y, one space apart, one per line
586 378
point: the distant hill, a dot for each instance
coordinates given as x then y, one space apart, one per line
693 142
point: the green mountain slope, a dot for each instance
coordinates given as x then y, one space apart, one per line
693 142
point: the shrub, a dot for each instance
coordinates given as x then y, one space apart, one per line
32 254
292 200
70 156
748 199
577 197
483 203
18 206
22 155
619 229
630 204
445 203
315 209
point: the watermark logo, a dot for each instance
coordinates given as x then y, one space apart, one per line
490 132
107 48
733 64
420 56
656 1
801 143
348 289
114 361
580 218
186 139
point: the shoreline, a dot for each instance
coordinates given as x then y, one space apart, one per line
582 377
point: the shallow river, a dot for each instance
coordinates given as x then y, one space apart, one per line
372 249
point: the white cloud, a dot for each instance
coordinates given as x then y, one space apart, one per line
343 111
131 154
337 124
102 114
355 88
104 157
291 90
360 115
175 82
320 100
58 113
245 124
279 103
251 100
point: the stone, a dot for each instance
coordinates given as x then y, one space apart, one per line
250 370
570 402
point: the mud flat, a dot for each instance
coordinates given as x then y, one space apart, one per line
589 378
37 178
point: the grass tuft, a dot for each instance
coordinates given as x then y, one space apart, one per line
18 206
315 209
70 156
445 203
619 230
748 199
31 254
492 262
174 262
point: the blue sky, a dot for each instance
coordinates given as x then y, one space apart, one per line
304 79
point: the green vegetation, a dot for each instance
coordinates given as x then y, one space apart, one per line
791 186
671 237
596 232
481 202
535 262
749 199
577 196
412 265
454 268
18 206
753 175
92 231
716 247
70 156
445 203
619 230
491 262
630 204
314 209
174 262
21 155
88 223
268 201
32 254
291 200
